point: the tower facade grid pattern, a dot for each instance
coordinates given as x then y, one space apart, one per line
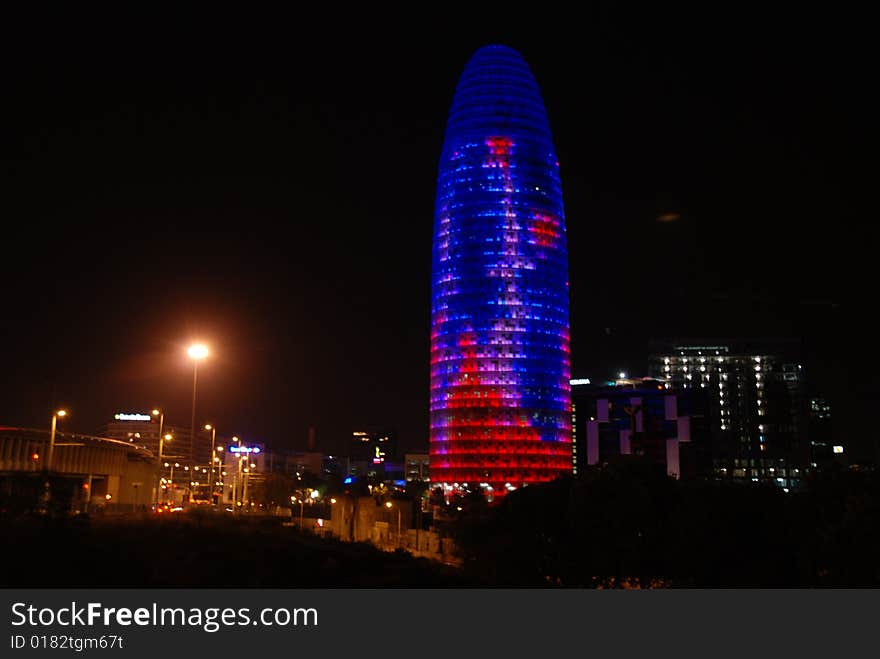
500 358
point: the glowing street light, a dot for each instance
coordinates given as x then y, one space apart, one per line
390 505
55 416
213 430
162 439
197 352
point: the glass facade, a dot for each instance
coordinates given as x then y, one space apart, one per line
500 357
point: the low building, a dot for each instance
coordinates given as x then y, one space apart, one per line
417 467
637 416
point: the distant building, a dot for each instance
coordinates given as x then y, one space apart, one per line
243 467
373 446
638 416
417 467
138 428
334 466
823 448
142 429
756 403
294 463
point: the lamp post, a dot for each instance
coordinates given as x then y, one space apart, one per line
236 477
55 416
167 437
213 430
390 505
220 472
197 352
161 415
300 501
171 477
247 473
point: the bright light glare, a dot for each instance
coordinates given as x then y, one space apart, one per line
207 426
197 351
61 412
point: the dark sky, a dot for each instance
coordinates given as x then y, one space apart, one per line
266 183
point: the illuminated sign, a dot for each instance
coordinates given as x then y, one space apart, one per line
122 416
379 458
837 449
574 383
245 449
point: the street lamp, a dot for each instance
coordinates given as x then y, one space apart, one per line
213 430
390 505
197 352
236 478
55 416
220 472
167 437
301 501
171 477
161 414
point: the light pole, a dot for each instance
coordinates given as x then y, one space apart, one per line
197 352
215 458
161 415
247 473
167 437
236 477
301 501
390 505
213 430
171 477
55 417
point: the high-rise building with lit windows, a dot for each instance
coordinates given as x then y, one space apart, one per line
500 367
757 407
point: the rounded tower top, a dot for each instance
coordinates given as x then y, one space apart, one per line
496 93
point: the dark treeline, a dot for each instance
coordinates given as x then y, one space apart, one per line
628 524
199 551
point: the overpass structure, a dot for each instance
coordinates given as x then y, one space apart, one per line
86 471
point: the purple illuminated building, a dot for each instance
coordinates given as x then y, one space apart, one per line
500 366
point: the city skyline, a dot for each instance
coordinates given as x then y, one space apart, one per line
254 199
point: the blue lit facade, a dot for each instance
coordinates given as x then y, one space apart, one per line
500 357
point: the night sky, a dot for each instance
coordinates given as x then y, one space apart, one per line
266 183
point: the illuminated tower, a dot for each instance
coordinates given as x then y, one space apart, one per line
500 367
